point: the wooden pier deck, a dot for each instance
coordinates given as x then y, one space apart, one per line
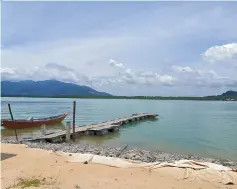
94 129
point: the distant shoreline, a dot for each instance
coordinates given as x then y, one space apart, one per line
208 98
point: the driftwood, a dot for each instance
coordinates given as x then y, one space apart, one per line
121 151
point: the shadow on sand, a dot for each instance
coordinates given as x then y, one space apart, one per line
6 156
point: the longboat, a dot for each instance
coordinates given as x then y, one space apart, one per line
33 122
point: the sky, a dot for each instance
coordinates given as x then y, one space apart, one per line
123 48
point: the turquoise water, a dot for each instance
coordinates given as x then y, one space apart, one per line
202 128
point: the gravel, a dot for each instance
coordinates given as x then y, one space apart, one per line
130 153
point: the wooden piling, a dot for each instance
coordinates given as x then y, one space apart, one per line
74 119
9 107
96 128
43 129
16 135
120 153
68 131
10 110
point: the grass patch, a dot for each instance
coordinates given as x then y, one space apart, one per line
28 183
35 181
25 183
77 187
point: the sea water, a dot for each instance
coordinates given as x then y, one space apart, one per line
204 128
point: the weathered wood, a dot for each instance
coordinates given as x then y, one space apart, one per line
43 129
120 153
16 135
74 119
101 132
104 127
10 110
96 127
68 131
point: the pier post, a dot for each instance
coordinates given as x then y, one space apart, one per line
74 119
68 131
43 129
10 110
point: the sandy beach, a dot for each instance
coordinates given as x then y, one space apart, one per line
54 171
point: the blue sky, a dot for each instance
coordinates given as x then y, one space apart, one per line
124 48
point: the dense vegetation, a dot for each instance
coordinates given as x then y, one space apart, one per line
57 89
216 98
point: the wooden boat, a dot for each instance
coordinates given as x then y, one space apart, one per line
33 122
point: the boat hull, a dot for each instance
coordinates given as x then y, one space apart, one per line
22 124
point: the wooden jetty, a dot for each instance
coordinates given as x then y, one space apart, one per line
94 129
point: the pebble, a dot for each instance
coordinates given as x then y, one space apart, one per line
130 153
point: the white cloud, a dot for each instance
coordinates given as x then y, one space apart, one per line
49 71
66 74
166 79
216 76
143 38
141 78
70 53
221 53
187 69
182 69
9 73
116 64
57 67
198 72
189 76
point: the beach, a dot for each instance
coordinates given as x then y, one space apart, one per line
55 171
125 152
122 95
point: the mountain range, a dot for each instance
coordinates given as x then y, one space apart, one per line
230 94
54 88
47 88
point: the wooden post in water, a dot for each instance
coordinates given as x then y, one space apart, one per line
73 123
68 131
9 107
43 129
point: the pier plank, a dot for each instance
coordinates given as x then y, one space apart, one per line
96 126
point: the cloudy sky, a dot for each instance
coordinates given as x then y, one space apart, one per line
124 48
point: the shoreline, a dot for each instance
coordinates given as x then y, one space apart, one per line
126 152
24 167
192 98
